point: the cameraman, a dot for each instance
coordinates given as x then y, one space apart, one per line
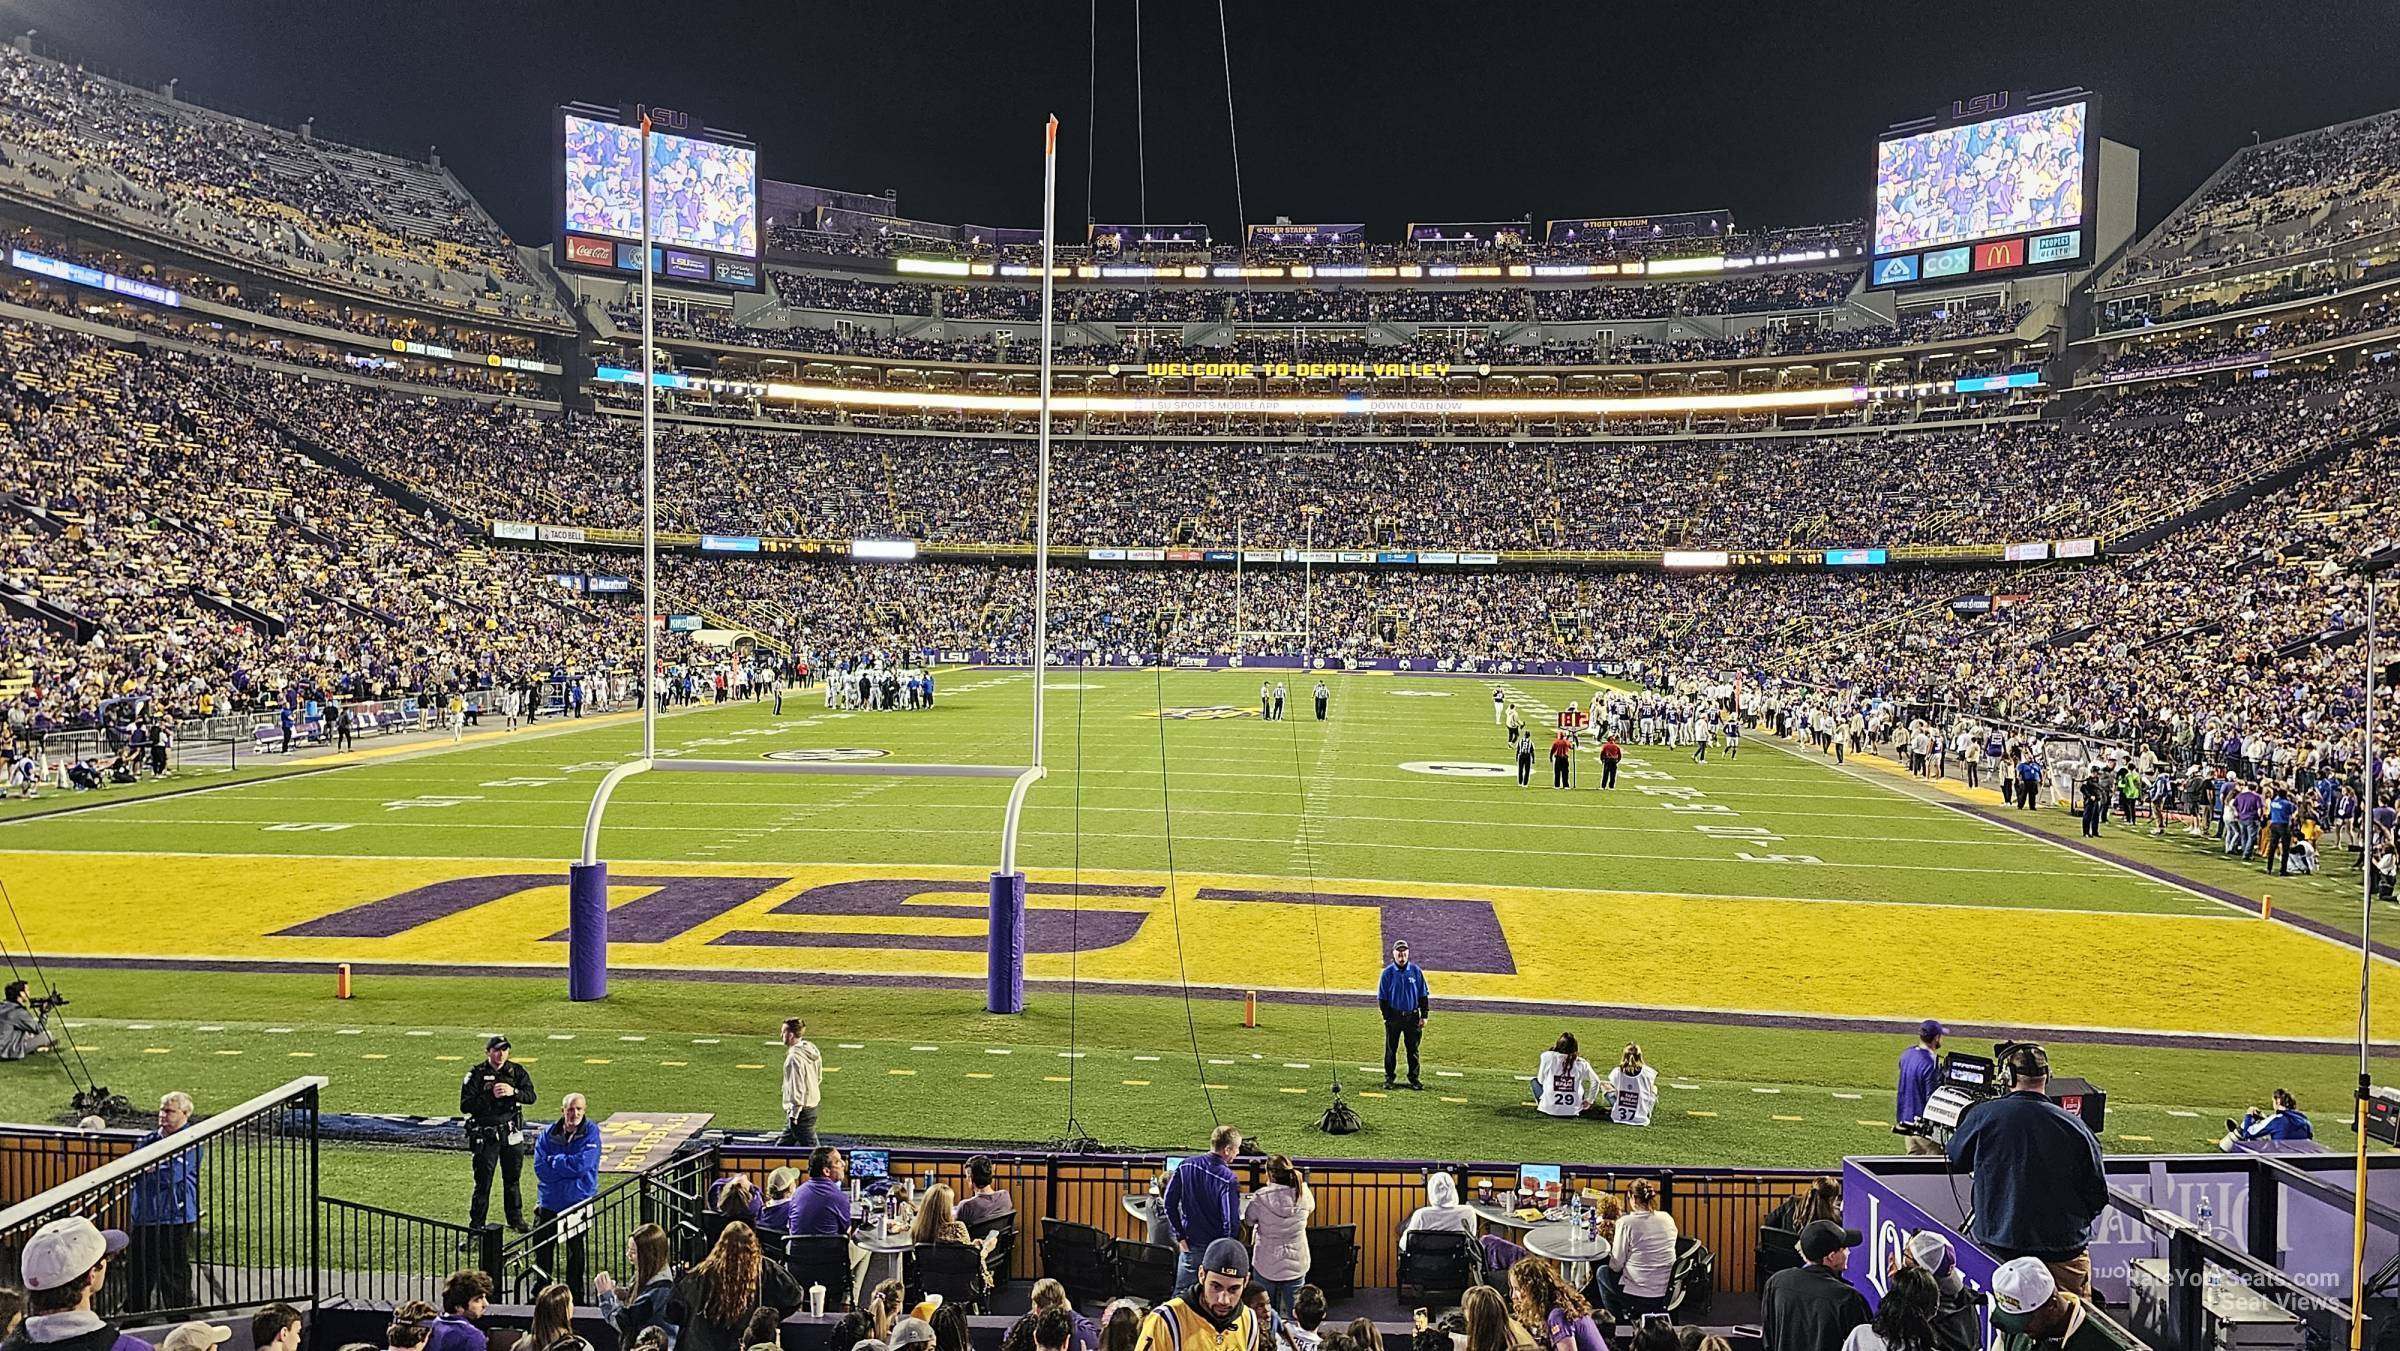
2038 1180
22 1025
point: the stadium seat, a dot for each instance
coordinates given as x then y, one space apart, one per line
1778 1250
821 1259
1004 1251
952 1270
1145 1271
1438 1265
1077 1257
1692 1283
1333 1260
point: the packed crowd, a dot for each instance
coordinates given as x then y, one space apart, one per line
268 196
1753 293
2009 481
224 570
2260 337
2312 191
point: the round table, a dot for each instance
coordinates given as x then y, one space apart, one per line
1569 1246
891 1244
1492 1213
1151 1210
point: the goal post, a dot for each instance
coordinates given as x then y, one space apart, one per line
587 878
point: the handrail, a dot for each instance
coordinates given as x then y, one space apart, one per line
181 1141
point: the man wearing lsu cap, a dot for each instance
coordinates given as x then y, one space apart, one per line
2031 1313
1406 1004
2038 1180
65 1264
1811 1307
1920 1074
1210 1315
493 1097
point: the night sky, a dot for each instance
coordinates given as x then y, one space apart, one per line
1346 112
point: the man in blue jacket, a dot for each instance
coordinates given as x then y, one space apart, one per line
2286 1122
1406 1004
165 1213
566 1174
1203 1203
2038 1181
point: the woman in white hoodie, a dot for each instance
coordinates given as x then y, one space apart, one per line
1565 1083
1278 1213
1442 1210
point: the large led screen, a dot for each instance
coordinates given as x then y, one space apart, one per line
2017 174
703 194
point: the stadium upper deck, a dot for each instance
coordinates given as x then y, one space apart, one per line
159 169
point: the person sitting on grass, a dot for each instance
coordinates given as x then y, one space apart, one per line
2283 1121
1564 1083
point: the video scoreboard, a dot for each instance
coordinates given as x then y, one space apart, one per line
704 224
2002 184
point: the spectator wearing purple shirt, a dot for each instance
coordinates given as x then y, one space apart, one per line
1919 1073
1203 1202
822 1207
2244 836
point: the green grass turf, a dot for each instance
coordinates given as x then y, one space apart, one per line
1290 801
698 1037
1238 787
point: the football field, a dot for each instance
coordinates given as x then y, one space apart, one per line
1768 928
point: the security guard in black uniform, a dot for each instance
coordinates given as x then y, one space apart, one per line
493 1097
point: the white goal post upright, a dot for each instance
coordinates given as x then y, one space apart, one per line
587 878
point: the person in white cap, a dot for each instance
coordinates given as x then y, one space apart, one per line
195 1337
2029 1310
64 1265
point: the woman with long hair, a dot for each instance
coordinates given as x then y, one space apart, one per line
1822 1201
1278 1213
1641 1257
1550 1309
738 1196
884 1306
1904 1320
950 1329
1489 1328
644 1303
726 1286
938 1222
1120 1326
554 1320
1632 1088
1564 1083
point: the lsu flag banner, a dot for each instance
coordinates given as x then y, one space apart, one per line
633 1141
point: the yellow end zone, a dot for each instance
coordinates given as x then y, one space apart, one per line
1725 954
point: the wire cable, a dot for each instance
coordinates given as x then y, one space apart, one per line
1183 979
1232 133
1316 919
1075 1133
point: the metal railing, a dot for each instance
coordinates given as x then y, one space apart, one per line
594 1236
222 1214
385 1257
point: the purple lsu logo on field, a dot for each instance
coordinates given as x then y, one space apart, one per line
1469 930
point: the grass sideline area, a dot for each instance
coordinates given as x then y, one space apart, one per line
1738 918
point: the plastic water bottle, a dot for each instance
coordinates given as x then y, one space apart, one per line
2204 1212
